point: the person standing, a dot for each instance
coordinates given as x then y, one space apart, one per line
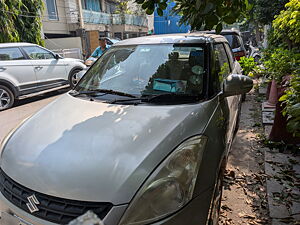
103 46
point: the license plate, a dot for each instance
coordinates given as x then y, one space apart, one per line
8 219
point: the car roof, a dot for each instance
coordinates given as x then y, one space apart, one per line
181 38
15 44
223 32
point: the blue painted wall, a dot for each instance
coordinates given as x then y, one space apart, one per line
168 23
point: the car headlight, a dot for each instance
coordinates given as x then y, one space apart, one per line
170 187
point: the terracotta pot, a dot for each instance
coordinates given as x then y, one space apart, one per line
279 131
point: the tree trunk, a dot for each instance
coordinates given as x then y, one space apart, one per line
257 33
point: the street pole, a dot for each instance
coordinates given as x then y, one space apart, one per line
81 23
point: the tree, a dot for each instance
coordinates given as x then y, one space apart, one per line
21 21
265 10
287 24
207 14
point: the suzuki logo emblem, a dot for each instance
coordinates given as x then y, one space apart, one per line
32 204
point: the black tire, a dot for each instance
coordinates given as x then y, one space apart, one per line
7 98
73 80
215 207
243 97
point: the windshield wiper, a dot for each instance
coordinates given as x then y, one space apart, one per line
166 97
106 91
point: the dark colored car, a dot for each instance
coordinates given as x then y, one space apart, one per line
235 41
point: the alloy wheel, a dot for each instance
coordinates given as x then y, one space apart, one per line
5 99
74 79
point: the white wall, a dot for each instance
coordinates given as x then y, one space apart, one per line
67 13
63 43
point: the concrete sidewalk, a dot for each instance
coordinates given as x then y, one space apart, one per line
283 176
283 187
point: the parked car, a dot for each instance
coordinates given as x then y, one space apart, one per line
235 40
28 68
142 139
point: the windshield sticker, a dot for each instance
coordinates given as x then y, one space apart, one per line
173 86
197 70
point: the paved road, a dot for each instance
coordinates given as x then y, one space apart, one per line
9 119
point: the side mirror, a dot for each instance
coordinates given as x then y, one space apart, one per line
236 84
57 56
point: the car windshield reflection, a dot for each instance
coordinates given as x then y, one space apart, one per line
148 70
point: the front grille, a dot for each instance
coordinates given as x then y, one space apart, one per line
53 209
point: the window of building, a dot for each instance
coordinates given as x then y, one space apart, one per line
52 9
93 5
111 7
10 54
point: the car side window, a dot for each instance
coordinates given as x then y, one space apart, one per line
35 52
11 54
222 65
229 54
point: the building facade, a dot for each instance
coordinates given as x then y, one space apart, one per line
91 19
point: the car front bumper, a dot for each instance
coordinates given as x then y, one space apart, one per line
194 213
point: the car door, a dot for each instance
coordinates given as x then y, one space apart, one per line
16 68
49 70
225 68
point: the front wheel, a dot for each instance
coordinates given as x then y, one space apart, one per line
7 98
73 78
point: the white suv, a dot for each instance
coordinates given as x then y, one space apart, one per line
27 69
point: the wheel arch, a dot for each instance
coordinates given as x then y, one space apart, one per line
10 86
73 69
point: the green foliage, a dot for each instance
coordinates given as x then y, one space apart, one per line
280 62
291 98
123 7
264 11
287 24
248 64
20 21
202 14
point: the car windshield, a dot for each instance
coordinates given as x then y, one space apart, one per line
233 40
150 70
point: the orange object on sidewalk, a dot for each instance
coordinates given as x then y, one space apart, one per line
273 96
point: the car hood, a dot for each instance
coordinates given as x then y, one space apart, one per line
93 151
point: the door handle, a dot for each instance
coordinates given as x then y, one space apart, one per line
2 68
38 67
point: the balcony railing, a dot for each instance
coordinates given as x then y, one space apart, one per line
96 17
116 19
136 20
127 19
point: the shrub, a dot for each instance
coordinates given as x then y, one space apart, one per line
247 64
291 98
281 62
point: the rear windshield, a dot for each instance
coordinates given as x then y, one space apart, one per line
233 40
